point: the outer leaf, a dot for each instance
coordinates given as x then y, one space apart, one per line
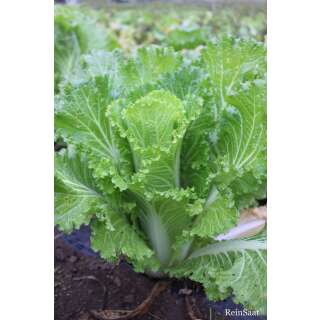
231 62
80 119
184 83
233 266
147 66
248 275
250 188
237 69
76 194
104 63
98 63
241 148
218 216
246 139
121 238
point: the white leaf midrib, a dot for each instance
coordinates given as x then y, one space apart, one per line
225 247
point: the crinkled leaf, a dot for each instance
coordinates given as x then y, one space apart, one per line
147 66
154 127
241 147
76 193
219 215
235 267
248 276
120 239
249 188
231 62
81 119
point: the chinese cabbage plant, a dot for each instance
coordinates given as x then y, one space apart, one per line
162 154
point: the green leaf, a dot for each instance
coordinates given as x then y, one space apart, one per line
76 193
121 238
237 70
241 147
81 120
250 188
67 54
103 63
185 82
196 153
233 266
164 217
97 63
147 66
247 278
219 215
154 127
190 85
76 31
231 62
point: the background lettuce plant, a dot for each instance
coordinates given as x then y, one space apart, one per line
77 31
162 153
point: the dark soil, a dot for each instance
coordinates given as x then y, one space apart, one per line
84 282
